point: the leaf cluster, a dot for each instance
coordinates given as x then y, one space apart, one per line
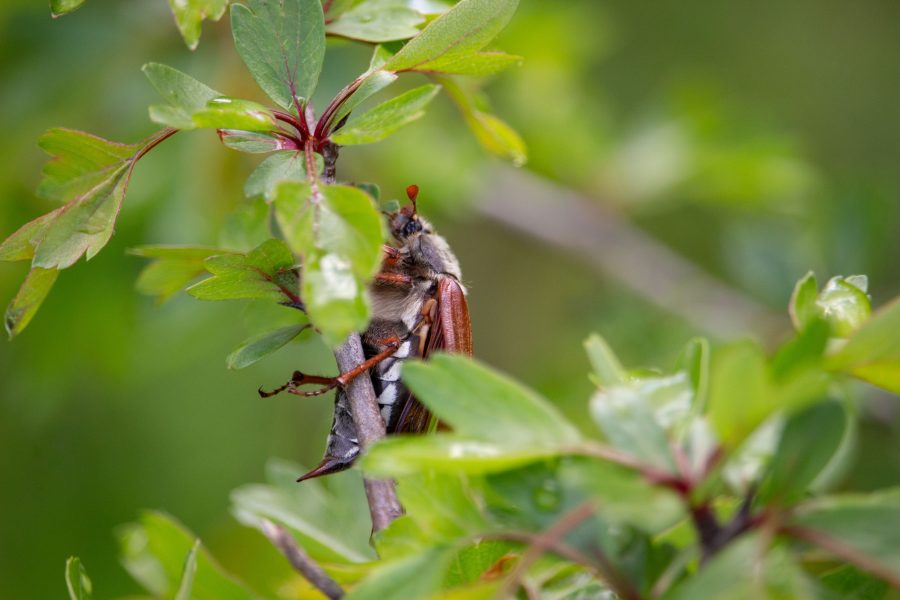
708 480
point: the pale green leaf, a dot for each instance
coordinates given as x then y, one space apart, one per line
803 307
29 298
480 403
186 586
628 421
873 352
397 456
172 268
334 297
189 15
351 227
255 142
60 7
375 21
77 581
281 166
410 578
324 520
388 117
153 551
463 30
294 209
260 346
607 368
740 397
843 302
492 133
283 45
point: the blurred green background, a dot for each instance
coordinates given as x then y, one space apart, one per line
755 141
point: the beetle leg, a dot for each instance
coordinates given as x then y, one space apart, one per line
329 383
398 279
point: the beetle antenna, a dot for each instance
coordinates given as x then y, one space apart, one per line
412 192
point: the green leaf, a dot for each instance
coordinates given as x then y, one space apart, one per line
234 113
93 175
79 162
247 227
338 232
625 496
267 272
480 403
463 30
77 581
809 441
255 142
189 15
283 45
480 64
843 302
183 94
607 368
29 298
21 244
873 352
260 346
324 520
627 419
386 118
803 307
408 455
743 392
281 166
805 350
191 104
153 551
187 577
441 505
747 570
410 578
172 268
864 523
334 297
59 8
492 133
374 21
373 81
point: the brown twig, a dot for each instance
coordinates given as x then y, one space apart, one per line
301 561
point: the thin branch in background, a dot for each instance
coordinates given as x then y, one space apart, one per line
844 551
301 561
582 226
